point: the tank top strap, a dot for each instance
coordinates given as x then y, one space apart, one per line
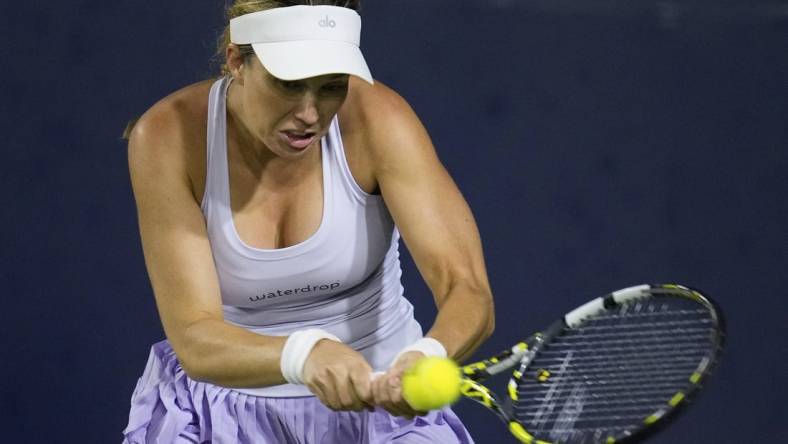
340 164
216 146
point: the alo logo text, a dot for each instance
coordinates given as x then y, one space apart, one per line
326 22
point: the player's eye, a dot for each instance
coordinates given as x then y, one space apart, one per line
290 85
335 87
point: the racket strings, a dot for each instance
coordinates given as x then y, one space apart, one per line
608 375
639 326
627 398
656 356
629 345
633 312
615 398
602 369
613 380
624 336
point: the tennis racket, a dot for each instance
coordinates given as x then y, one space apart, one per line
612 370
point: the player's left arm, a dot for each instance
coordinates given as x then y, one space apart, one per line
435 222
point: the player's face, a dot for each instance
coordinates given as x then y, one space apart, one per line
290 117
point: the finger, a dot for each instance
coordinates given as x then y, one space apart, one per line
386 390
379 389
317 391
406 361
329 398
347 395
401 406
354 382
394 402
395 394
363 388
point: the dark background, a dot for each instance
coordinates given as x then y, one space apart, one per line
600 143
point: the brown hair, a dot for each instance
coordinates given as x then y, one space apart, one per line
241 7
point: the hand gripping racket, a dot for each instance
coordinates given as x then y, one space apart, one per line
612 370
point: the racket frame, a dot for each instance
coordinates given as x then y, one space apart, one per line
521 354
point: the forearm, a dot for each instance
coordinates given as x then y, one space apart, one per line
214 351
465 320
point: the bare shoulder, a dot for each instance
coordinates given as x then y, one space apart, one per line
381 121
169 138
372 108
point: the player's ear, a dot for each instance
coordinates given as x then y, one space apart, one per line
235 62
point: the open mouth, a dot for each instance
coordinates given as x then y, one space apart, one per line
298 140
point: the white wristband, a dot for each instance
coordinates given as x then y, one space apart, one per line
428 346
297 348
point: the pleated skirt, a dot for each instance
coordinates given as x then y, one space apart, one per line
169 407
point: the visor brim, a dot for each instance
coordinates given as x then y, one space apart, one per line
295 60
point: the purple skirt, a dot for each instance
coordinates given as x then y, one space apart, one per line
169 407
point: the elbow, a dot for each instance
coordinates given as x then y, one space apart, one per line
193 369
189 349
489 317
192 365
483 305
490 325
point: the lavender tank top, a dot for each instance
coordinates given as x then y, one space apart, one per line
344 279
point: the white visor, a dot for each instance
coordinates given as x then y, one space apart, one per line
296 42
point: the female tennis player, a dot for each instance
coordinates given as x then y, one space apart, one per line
271 202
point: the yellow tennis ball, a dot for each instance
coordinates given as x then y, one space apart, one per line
431 383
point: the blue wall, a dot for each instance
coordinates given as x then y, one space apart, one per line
600 144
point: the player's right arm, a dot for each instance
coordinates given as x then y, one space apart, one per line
185 284
180 264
